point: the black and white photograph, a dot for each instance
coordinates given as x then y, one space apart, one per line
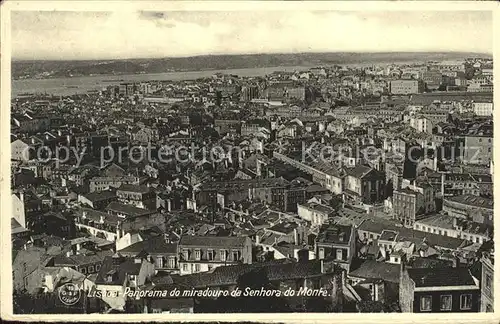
172 160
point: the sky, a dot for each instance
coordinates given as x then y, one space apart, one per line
66 35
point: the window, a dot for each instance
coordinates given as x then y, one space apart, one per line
210 267
236 255
338 254
425 303
445 233
159 262
321 253
97 267
185 254
83 270
91 269
197 254
466 301
171 262
210 255
445 303
197 268
487 281
184 267
223 255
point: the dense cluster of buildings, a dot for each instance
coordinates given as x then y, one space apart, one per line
372 183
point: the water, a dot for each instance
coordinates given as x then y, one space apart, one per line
59 86
76 85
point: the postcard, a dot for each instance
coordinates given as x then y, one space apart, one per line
248 161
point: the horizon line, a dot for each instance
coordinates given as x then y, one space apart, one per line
247 54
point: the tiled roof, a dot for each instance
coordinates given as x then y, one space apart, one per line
284 227
438 220
432 277
100 195
153 245
120 266
319 207
213 241
377 270
134 188
472 201
358 171
244 184
228 275
333 233
128 209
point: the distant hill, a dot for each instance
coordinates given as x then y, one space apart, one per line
219 62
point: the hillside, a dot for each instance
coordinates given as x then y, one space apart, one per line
218 62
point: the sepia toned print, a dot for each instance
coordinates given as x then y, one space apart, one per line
271 162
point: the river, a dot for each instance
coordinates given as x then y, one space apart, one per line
82 84
72 85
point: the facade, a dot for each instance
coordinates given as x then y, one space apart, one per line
406 87
106 183
315 213
364 185
423 125
20 151
487 282
483 108
434 290
204 253
432 79
477 149
338 243
469 207
138 196
117 273
157 250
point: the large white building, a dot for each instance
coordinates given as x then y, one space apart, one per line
483 108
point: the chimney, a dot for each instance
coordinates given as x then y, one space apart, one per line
303 255
442 184
118 230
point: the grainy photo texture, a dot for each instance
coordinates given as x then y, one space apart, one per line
278 161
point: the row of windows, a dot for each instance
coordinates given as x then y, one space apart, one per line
445 302
340 254
90 269
432 230
210 255
197 267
